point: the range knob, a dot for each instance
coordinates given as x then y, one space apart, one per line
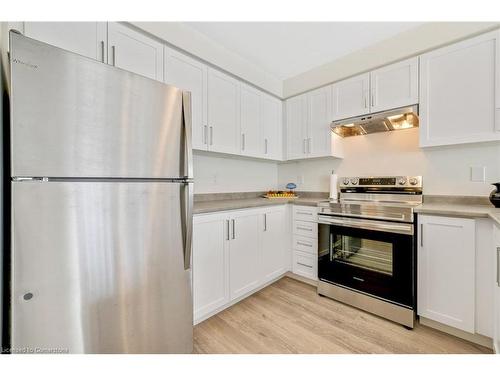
402 181
345 181
413 181
354 181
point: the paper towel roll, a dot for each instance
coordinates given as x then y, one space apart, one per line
333 186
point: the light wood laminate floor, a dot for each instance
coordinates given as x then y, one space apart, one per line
289 317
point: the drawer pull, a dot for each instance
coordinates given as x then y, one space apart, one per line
304 213
304 228
305 265
304 244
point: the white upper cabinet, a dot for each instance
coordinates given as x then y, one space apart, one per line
394 86
351 97
319 119
85 38
133 51
271 112
446 271
189 74
250 120
460 92
296 121
223 113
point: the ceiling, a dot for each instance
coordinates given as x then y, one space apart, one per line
285 49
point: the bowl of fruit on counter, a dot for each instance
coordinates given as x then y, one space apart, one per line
286 194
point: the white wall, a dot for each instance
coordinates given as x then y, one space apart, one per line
408 43
217 173
445 170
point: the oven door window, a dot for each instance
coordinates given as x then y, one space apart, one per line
372 255
373 262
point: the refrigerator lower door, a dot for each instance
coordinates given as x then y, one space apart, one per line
98 267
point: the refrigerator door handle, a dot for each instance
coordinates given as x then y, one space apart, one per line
187 215
186 112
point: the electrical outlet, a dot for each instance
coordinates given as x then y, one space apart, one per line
478 174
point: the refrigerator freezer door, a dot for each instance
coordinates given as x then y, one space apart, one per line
98 267
76 117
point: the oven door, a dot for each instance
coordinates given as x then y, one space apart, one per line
370 256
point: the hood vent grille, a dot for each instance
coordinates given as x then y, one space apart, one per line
396 119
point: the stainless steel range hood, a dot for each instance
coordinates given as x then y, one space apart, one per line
394 119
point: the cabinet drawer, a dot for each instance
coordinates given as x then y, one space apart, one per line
305 244
305 264
305 213
305 228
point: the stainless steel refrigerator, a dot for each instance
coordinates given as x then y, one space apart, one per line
101 205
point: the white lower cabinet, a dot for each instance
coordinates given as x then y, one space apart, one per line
244 252
446 271
234 254
305 242
496 291
210 264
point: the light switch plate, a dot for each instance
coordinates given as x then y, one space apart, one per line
478 174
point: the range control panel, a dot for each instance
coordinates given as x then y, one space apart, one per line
384 181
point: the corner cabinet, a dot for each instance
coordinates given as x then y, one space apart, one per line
234 254
133 51
446 271
308 118
460 92
271 111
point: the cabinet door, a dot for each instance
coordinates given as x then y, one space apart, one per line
460 92
319 133
251 135
210 264
245 253
496 335
351 97
296 126
273 243
271 111
223 113
394 86
85 38
446 277
191 75
130 50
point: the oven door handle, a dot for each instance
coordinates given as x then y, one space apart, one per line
402 228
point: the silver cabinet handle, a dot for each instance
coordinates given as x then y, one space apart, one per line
304 146
304 244
304 228
205 134
498 266
305 265
365 97
303 213
265 222
243 141
308 145
265 146
102 50
211 135
422 235
234 234
373 97
227 227
113 55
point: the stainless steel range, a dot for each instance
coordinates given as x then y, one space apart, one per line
367 245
